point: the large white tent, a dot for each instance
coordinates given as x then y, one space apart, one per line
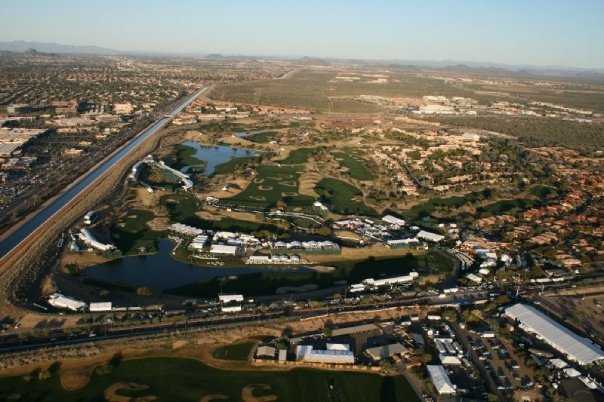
575 347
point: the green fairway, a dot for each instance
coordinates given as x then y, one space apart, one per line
131 234
340 196
234 165
299 156
273 184
188 380
262 137
357 167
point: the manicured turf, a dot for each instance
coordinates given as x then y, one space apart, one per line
262 137
357 167
236 351
187 380
234 164
271 185
340 196
299 156
131 232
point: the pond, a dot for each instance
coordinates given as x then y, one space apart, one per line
216 155
160 271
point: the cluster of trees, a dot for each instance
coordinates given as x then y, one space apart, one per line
536 131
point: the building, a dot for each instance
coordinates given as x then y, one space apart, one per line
307 353
230 303
224 249
441 380
198 243
403 243
429 236
12 139
397 280
394 221
266 352
100 307
58 300
379 353
88 238
574 347
122 108
185 230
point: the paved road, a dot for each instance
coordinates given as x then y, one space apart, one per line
13 344
86 181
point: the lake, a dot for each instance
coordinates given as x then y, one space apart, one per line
161 271
215 155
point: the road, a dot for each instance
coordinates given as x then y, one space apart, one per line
12 344
87 181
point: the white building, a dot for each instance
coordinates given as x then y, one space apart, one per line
308 354
441 380
185 230
225 249
429 236
198 243
575 347
391 281
87 238
63 302
399 243
474 278
100 307
394 221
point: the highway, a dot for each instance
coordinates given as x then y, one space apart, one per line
13 344
87 180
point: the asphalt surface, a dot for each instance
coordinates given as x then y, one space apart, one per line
13 344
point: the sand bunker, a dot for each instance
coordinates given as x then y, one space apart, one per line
214 397
247 393
74 380
111 393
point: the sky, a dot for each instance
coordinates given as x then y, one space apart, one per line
517 32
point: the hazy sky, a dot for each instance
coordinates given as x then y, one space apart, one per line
538 32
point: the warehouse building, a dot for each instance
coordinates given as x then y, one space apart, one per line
441 380
429 236
100 307
225 249
307 353
575 347
379 353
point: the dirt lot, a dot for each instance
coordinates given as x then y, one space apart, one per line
355 254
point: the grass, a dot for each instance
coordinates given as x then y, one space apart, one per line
357 167
273 184
299 156
234 165
131 232
235 351
263 137
182 208
158 177
340 196
188 380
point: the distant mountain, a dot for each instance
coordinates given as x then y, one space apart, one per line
42 47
